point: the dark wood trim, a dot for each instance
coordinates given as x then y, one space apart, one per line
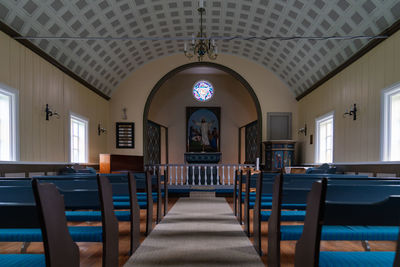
160 126
166 140
10 32
173 72
240 145
388 32
166 146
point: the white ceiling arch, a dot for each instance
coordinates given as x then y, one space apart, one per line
104 64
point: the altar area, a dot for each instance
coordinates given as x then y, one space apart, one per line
203 175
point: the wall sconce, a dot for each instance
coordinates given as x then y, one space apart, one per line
50 113
352 112
101 130
303 130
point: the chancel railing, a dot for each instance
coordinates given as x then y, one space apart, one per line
199 174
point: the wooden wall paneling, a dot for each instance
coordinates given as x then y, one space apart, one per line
26 107
396 56
4 59
364 95
360 83
38 83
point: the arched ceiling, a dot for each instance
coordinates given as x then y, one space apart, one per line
104 64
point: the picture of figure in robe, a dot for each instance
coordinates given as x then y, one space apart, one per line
202 129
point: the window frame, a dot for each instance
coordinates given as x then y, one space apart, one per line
85 120
14 117
320 119
386 107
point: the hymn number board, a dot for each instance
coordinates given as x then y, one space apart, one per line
125 134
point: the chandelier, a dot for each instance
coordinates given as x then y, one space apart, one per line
201 46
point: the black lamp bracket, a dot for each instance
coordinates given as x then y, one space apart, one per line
50 113
352 112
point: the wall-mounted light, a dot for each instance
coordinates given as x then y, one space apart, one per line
303 130
50 113
352 112
101 130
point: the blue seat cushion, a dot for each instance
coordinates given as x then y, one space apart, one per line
377 233
268 205
286 215
22 260
127 205
356 259
95 216
263 199
140 196
78 234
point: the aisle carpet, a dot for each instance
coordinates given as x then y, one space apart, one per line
197 232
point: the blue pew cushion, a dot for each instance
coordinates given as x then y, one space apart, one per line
356 259
95 216
286 215
22 260
78 234
377 233
127 205
268 205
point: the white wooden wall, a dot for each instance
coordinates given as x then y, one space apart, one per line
40 83
360 83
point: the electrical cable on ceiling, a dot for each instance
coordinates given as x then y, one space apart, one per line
222 38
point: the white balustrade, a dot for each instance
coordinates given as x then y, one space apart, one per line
205 172
229 175
223 175
199 175
212 177
217 175
176 175
193 175
187 175
170 175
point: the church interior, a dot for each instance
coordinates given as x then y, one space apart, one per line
199 133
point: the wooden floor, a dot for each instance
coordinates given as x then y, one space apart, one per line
91 253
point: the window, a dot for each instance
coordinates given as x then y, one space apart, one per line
324 139
79 139
203 91
8 124
391 124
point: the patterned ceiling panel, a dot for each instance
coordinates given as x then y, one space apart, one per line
104 64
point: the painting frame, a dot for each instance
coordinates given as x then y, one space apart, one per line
194 115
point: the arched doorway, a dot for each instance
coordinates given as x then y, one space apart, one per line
182 68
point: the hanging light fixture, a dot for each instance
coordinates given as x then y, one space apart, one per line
201 46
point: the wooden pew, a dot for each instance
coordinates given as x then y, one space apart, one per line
343 193
13 230
301 181
59 248
320 213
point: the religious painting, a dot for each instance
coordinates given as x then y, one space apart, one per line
203 129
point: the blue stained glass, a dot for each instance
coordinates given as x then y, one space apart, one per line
203 91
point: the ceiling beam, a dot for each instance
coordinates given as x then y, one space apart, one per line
10 32
371 45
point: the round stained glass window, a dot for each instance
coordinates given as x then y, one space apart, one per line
203 91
